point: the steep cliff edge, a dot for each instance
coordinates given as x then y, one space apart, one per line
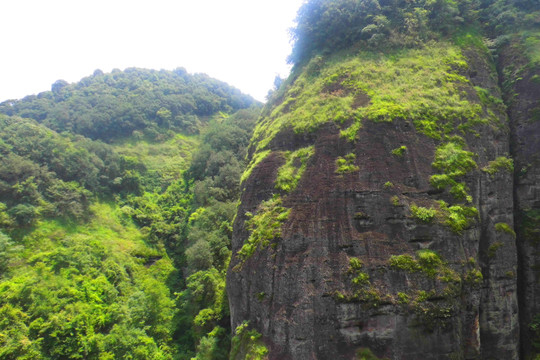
377 211
519 66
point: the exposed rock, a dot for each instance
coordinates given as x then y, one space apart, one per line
354 266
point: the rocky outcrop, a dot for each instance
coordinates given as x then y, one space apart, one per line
392 234
520 79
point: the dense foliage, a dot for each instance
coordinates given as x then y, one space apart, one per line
119 250
324 26
130 102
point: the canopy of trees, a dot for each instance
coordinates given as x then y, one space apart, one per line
105 252
114 105
330 25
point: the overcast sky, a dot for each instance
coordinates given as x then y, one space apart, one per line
242 42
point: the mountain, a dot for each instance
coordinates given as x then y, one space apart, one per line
390 208
117 195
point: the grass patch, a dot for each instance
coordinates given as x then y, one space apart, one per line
424 85
346 165
291 172
264 226
257 158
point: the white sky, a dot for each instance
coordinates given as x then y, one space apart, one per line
242 42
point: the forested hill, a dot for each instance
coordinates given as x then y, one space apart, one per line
117 195
113 105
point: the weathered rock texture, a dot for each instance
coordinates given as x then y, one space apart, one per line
520 81
349 270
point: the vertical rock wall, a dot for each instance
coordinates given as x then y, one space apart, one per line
370 256
520 81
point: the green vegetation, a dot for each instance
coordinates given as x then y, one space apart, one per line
505 228
458 217
247 344
501 163
400 151
132 102
427 262
388 185
366 354
93 290
424 85
264 226
120 250
492 250
257 158
346 165
423 214
291 172
454 163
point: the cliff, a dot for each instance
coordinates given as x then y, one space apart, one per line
379 215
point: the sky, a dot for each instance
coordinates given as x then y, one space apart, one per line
242 42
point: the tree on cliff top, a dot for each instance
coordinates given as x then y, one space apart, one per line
324 26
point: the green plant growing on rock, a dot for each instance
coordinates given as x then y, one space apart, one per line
388 185
291 172
264 226
346 165
453 162
247 344
493 248
505 228
400 151
458 217
257 158
423 214
501 163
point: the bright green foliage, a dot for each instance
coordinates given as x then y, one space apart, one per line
404 262
264 226
452 160
91 291
424 85
454 163
505 228
346 165
427 262
257 158
360 278
423 214
291 172
501 163
388 185
366 354
458 217
400 151
247 344
81 279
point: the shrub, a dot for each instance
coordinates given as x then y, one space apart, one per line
423 214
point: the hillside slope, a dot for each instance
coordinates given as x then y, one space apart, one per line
118 250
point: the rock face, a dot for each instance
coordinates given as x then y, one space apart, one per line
519 77
377 213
